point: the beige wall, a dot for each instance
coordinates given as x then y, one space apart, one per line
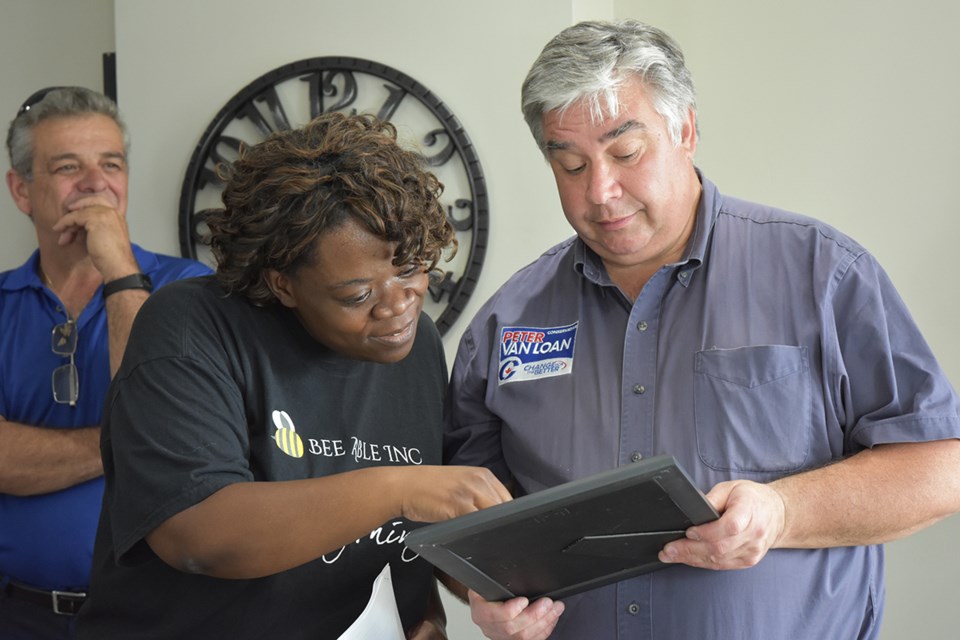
840 109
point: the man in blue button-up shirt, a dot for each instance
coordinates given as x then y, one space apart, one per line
766 351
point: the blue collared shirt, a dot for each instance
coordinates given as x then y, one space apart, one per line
776 345
47 540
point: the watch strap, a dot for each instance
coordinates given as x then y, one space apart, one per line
132 281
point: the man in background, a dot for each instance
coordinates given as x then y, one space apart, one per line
64 320
766 351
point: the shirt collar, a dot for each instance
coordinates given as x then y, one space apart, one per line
24 276
588 264
707 210
148 261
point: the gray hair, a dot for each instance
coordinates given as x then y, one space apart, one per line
590 61
56 102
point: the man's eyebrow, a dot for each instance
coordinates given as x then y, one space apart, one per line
629 125
63 156
70 155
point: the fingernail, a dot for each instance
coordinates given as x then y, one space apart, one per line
692 534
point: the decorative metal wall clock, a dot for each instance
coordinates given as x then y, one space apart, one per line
291 95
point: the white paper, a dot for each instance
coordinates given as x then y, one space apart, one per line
380 619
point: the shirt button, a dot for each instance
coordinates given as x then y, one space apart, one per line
633 608
639 389
641 326
636 457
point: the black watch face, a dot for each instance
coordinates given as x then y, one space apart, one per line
291 95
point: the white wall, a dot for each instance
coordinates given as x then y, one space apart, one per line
847 110
840 109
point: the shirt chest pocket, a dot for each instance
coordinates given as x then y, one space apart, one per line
752 408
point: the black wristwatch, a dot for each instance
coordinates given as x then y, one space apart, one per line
133 281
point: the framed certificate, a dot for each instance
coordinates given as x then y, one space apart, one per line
569 538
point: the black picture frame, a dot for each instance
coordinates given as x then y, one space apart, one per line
570 538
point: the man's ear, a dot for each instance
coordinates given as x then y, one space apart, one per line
688 134
280 287
20 191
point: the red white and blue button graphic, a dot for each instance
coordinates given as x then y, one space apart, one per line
531 353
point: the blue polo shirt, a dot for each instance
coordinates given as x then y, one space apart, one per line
47 540
777 344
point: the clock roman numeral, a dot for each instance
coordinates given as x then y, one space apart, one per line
274 108
343 84
326 84
395 96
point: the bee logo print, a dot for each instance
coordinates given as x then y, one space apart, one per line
286 436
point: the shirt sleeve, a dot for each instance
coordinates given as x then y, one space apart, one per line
174 430
889 386
472 431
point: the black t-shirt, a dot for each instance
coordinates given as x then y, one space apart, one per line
214 391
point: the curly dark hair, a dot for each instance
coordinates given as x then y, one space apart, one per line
285 192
